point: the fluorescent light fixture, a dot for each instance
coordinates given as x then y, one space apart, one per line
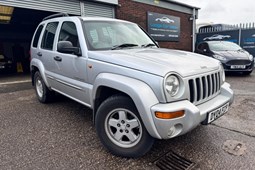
5 14
6 18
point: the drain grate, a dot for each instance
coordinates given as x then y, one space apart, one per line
173 161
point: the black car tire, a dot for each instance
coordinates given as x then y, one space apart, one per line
43 93
122 109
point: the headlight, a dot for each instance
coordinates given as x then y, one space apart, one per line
250 57
219 57
172 85
222 73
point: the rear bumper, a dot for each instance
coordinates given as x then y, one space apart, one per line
194 115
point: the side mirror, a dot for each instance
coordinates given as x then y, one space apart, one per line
68 48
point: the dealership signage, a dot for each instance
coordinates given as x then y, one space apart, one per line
231 36
248 40
163 27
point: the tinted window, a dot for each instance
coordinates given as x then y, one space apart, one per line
48 36
68 32
37 36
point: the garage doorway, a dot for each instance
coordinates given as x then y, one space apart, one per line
17 27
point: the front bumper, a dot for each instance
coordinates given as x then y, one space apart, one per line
194 115
248 67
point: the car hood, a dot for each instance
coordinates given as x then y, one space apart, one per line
158 61
229 55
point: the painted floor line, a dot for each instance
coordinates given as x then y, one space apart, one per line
15 82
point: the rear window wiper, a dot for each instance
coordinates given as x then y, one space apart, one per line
123 46
148 45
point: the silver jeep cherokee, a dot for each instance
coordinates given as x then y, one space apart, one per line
138 91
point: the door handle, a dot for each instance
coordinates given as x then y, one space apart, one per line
57 58
39 54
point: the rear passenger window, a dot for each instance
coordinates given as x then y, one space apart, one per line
37 36
49 35
68 32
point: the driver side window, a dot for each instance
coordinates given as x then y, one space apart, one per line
68 32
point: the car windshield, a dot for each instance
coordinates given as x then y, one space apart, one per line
112 35
223 46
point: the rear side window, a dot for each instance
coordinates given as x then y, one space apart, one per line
37 36
49 35
68 32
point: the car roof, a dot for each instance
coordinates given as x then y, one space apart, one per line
87 19
103 19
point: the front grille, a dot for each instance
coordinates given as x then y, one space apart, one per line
204 87
238 62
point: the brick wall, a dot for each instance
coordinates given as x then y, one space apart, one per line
137 12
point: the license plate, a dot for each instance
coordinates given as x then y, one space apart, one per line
215 114
237 67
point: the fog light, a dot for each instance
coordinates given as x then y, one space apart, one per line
171 131
169 115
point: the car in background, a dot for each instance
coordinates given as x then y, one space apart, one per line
231 55
165 19
217 37
5 64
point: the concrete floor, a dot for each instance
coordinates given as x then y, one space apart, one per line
10 78
60 135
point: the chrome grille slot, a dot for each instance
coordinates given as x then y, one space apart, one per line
209 86
198 85
204 88
214 84
191 90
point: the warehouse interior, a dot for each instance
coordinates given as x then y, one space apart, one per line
17 26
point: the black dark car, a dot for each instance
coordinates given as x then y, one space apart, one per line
5 64
231 55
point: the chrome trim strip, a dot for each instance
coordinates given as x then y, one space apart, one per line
67 84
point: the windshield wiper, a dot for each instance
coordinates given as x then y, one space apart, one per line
123 46
148 45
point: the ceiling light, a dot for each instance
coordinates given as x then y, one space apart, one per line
5 14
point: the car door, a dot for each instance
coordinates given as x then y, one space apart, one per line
35 52
70 69
46 52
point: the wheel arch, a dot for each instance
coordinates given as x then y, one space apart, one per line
108 84
36 65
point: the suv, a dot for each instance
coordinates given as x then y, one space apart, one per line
138 91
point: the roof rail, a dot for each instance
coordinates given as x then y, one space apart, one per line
55 16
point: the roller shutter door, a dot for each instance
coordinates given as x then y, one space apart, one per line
66 6
99 10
